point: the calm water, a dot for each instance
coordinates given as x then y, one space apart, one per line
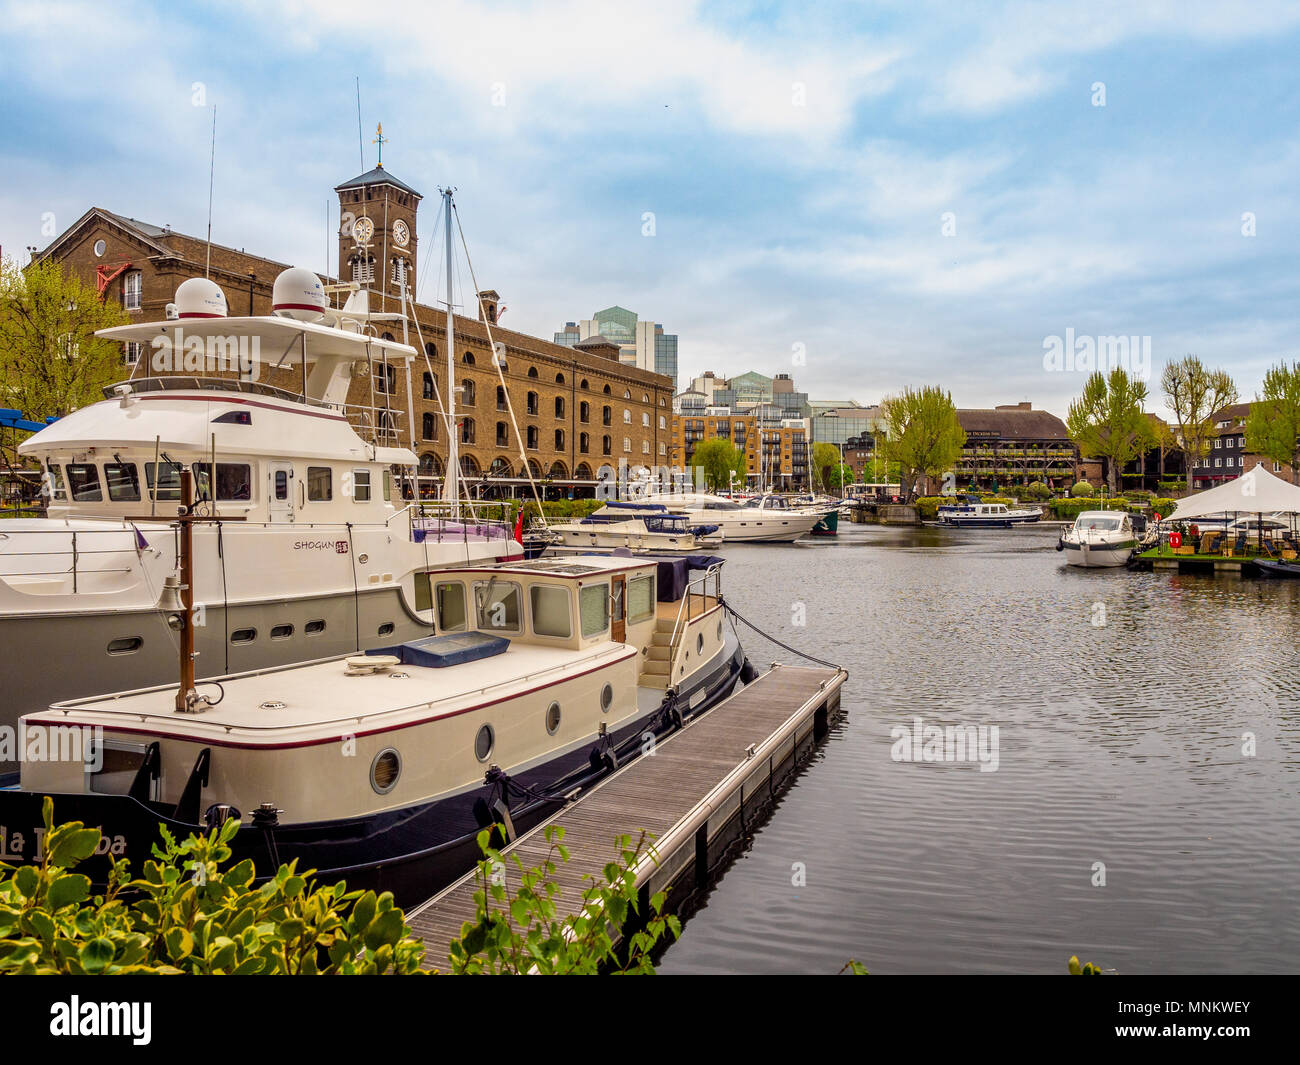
1118 743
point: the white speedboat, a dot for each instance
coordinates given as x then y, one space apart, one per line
1099 538
538 679
320 554
764 518
987 515
635 526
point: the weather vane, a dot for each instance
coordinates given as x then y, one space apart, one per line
380 139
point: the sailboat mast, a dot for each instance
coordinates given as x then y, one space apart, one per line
452 488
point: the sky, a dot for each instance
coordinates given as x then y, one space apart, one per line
867 196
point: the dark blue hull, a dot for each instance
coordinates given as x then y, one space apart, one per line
413 851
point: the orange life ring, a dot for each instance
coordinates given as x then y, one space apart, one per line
1175 539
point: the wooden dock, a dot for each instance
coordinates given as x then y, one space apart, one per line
694 794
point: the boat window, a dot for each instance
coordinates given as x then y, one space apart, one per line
386 629
640 598
551 615
243 636
320 488
451 606
313 627
593 608
385 770
498 606
125 645
234 481
361 486
83 479
281 484
57 490
123 481
388 485
167 478
281 632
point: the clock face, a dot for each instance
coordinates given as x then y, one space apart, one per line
362 230
400 233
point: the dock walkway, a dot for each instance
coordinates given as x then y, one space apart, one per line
692 793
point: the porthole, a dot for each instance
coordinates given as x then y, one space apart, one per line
553 718
100 248
385 770
125 645
606 699
243 636
313 627
483 743
281 632
699 644
386 629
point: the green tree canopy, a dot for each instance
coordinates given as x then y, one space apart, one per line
1273 425
1108 422
51 362
1194 393
719 458
825 460
924 434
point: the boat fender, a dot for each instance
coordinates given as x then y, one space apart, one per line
1060 544
606 759
747 671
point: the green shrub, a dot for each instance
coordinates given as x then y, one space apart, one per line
1037 491
188 915
1081 488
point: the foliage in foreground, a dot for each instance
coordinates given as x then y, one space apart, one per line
187 915
524 931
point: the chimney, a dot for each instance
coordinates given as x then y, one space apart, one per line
488 301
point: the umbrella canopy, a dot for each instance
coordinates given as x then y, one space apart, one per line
1256 492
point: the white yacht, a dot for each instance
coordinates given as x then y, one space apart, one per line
1099 538
988 515
537 679
764 518
634 526
317 553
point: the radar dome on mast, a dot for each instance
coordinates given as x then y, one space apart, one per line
298 294
200 298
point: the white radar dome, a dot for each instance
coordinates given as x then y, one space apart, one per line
200 298
298 294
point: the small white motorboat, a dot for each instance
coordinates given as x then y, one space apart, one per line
987 515
1099 538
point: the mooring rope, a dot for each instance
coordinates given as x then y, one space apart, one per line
767 636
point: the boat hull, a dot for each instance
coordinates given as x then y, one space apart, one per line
1098 556
412 851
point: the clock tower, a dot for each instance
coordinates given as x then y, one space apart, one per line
377 235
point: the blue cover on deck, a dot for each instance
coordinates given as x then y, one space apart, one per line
454 649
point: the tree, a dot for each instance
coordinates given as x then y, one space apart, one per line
825 461
1273 425
719 458
924 434
51 362
1108 422
1194 394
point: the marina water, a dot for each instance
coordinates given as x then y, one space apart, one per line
1123 702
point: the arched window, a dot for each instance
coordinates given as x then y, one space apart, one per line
428 427
584 411
663 422
531 432
468 358
431 350
645 397
607 391
645 419
467 392
533 403
627 394
428 386
501 399
583 472
467 431
584 443
559 378
559 439
469 466
430 465
606 445
503 435
559 406
534 467
499 468
584 386
559 471
606 416
532 371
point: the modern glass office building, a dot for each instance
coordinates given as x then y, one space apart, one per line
640 343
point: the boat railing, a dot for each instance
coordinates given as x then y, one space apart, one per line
448 522
69 553
696 589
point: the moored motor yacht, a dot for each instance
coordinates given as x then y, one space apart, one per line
988 515
764 518
1099 538
539 678
636 526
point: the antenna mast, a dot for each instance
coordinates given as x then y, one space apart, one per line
212 167
451 490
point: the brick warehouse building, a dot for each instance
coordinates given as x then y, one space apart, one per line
578 407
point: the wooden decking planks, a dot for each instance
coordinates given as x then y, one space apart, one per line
702 769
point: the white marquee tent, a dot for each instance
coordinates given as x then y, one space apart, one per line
1256 492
